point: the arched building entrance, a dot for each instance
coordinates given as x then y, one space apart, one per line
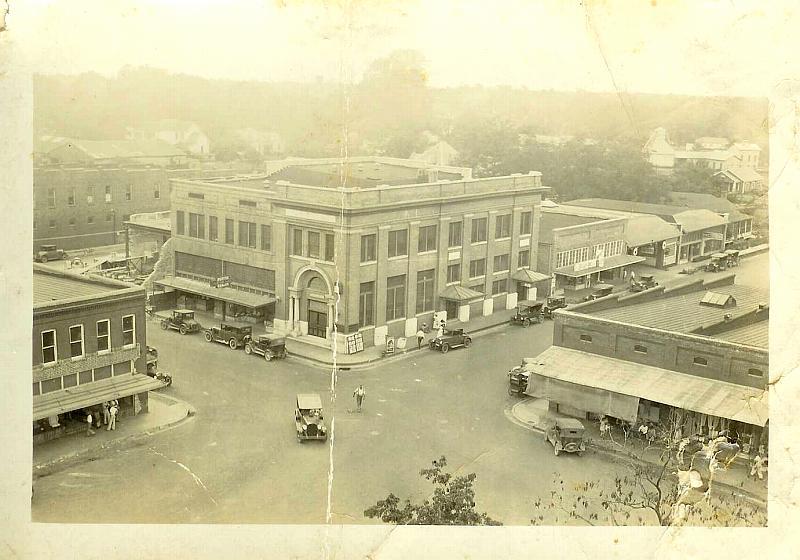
312 303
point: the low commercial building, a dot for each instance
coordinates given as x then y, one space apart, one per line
89 347
327 249
739 226
693 358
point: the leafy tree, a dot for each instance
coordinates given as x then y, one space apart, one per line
690 178
452 502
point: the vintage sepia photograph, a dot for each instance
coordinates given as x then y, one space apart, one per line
399 263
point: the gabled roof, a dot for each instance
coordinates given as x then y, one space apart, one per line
459 293
716 299
746 174
696 220
627 206
527 275
702 200
641 230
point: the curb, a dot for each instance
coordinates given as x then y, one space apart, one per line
372 362
49 467
590 444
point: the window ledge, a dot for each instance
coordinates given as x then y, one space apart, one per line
129 346
103 352
365 263
506 271
431 252
478 243
398 258
77 358
506 238
481 277
453 283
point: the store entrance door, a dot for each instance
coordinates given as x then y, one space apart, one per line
317 318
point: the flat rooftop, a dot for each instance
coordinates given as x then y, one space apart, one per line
52 286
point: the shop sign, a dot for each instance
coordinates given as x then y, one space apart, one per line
355 343
222 282
389 345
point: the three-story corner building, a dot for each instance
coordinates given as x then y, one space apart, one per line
89 345
368 245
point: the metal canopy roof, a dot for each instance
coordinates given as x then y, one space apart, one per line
459 293
528 275
225 294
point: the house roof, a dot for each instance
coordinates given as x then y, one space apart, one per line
627 206
746 146
720 155
702 200
696 220
51 286
746 174
459 293
642 230
530 276
115 149
756 334
683 312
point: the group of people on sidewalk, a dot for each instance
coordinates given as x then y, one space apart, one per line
109 411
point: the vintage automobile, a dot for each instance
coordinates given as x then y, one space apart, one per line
450 339
527 312
718 263
644 282
267 345
232 335
518 380
181 320
49 253
732 257
152 361
553 303
600 290
566 434
308 417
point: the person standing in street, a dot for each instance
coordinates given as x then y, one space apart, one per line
105 406
420 338
89 431
359 395
112 417
757 468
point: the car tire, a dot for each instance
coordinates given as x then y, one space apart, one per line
432 345
233 344
248 349
467 342
43 259
526 322
182 329
208 337
445 347
267 356
164 325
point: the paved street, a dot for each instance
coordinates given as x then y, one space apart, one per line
238 459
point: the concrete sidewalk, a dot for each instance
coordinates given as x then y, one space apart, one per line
164 412
321 356
533 414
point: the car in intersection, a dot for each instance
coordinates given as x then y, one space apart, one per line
308 419
269 346
181 320
232 335
49 253
450 339
553 303
528 312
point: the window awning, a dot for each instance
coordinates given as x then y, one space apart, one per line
608 263
225 294
459 293
81 396
529 276
689 392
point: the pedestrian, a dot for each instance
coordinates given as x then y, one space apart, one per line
757 467
359 395
105 413
605 427
112 417
440 330
420 338
643 429
624 273
89 431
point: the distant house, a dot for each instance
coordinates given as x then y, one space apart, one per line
265 143
440 153
748 153
183 134
737 180
659 152
141 152
710 159
711 143
717 154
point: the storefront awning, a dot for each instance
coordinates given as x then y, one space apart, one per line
689 392
225 294
529 276
607 264
81 396
460 293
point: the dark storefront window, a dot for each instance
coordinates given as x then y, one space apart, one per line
85 377
122 367
366 304
395 297
425 289
70 380
50 385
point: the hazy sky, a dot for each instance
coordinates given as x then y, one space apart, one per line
668 46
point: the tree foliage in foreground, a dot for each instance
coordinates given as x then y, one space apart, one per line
451 503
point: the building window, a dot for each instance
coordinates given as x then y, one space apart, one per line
213 234
266 237
102 373
156 191
477 288
128 330
313 244
51 224
500 286
427 239
50 385
72 222
640 349
247 234
502 262
128 192
49 353
36 389
366 304
478 230
51 198
85 377
395 297
524 258
71 197
368 248
248 203
453 273
89 219
89 195
502 226
121 368
70 380
586 338
103 335
76 341
229 231
179 222
454 234
755 372
700 361
198 196
329 247
525 223
398 243
477 268
297 241
425 289
108 194
197 226
109 217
